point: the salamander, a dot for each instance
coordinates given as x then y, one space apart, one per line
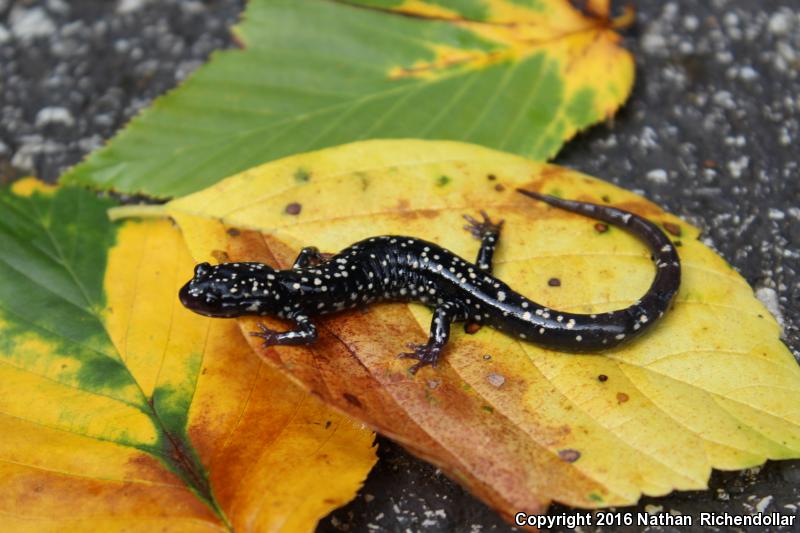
407 269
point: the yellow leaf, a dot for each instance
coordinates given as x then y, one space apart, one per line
711 385
142 415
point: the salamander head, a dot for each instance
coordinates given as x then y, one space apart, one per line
230 290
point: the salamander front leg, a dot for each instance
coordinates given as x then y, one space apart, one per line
304 333
307 256
429 353
488 233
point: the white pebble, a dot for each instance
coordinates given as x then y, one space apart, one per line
653 42
58 6
54 115
762 505
129 6
775 214
658 175
769 298
748 73
779 23
738 166
27 24
691 23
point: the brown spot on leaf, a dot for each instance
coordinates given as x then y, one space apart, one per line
499 187
425 213
622 397
352 400
606 198
554 282
602 378
673 229
471 328
549 172
601 227
233 232
491 177
220 255
148 468
569 455
293 208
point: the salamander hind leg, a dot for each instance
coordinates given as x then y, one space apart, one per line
304 333
488 233
429 353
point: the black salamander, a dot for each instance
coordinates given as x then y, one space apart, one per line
398 268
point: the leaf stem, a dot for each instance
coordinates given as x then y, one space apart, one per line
137 211
626 19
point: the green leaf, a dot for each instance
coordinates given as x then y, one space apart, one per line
522 76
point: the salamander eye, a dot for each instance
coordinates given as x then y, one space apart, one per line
202 270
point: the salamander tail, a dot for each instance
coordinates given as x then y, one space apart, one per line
668 268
